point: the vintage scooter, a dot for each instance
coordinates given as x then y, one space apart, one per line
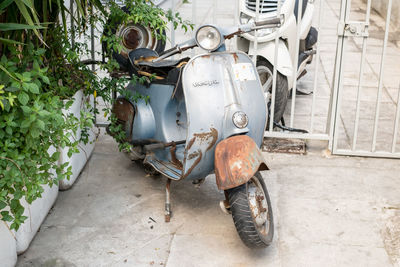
289 49
206 114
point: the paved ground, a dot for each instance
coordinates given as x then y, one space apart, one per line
335 211
329 211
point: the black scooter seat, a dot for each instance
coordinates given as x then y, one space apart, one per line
145 56
160 64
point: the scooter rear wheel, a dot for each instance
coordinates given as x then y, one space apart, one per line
252 212
265 71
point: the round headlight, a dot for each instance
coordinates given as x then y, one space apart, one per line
240 119
208 38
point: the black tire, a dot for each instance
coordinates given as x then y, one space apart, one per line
252 235
282 92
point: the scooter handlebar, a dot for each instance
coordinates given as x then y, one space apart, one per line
269 22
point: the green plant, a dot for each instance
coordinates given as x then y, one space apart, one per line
37 80
18 16
32 129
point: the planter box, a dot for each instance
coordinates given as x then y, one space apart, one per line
77 161
36 213
8 252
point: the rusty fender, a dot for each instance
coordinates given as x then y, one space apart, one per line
237 159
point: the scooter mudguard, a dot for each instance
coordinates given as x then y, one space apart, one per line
267 50
237 159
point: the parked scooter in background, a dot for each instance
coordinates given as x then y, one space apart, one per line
287 45
206 114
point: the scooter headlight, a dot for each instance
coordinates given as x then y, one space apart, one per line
240 119
209 38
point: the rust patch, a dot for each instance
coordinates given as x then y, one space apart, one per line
193 155
174 160
197 161
125 112
191 142
235 57
237 159
206 136
209 137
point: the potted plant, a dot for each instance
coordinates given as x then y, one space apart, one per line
76 84
8 252
34 130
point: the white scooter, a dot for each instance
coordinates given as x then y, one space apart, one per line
265 49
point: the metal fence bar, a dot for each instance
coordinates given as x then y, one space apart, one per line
236 22
365 153
71 10
194 21
256 32
296 59
334 105
172 38
317 55
92 48
396 122
215 7
323 137
360 80
381 71
274 73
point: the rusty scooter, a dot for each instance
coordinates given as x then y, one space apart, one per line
205 115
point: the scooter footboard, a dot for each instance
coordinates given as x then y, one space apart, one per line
237 159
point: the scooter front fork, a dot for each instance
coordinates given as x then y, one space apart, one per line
168 212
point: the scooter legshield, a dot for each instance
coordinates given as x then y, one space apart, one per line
216 86
237 159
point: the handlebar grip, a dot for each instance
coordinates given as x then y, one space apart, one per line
273 21
168 51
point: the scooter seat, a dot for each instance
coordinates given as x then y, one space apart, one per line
144 57
161 64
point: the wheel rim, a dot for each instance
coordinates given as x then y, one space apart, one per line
266 76
258 205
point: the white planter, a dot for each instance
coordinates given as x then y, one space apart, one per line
36 213
8 252
78 160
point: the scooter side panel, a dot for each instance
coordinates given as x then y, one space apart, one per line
157 118
214 90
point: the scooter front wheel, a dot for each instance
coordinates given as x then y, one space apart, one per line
252 213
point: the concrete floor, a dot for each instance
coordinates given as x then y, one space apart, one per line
328 211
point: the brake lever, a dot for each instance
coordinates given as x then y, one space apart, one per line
177 49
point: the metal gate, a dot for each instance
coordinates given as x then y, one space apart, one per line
367 65
351 95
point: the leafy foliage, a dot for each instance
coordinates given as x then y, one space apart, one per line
17 16
32 126
39 73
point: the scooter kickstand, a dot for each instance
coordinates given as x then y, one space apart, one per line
167 201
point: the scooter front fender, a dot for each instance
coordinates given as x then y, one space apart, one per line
267 51
237 159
